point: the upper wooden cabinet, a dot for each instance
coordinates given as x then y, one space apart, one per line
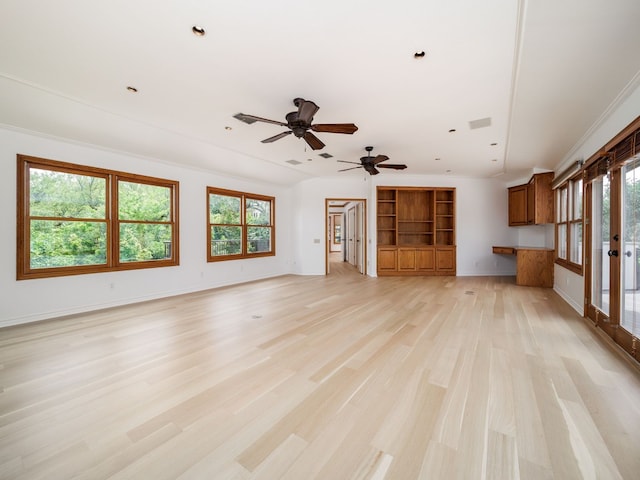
532 203
414 225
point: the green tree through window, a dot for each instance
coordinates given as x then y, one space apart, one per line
66 225
240 225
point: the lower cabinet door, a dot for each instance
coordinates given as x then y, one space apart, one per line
417 260
406 259
426 259
387 259
445 259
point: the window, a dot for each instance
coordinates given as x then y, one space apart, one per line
241 225
74 219
569 225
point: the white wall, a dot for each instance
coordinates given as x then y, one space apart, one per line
481 220
309 218
30 300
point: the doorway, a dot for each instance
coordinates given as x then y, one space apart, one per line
345 235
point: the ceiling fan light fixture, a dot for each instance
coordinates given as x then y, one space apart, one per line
198 31
299 124
371 164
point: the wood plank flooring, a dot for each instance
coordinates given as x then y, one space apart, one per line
338 377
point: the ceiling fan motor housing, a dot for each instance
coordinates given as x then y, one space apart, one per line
298 127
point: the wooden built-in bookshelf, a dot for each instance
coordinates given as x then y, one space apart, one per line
416 231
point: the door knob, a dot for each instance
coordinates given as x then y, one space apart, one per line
628 253
612 253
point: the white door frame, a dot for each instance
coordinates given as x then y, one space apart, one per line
362 231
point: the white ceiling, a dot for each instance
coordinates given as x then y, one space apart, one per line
543 71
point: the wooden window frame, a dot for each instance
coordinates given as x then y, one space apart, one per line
243 225
569 219
111 219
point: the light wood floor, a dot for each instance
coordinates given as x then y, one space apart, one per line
337 266
335 378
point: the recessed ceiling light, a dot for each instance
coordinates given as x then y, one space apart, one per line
494 160
494 144
132 89
198 31
437 159
452 130
419 54
448 171
228 128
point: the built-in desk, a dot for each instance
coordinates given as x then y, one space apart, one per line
534 265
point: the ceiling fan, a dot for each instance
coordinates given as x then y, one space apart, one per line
299 123
370 163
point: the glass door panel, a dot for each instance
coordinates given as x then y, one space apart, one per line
600 231
630 249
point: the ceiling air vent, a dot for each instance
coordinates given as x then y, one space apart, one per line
481 123
294 162
325 155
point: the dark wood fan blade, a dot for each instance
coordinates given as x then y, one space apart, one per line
252 118
306 110
380 158
352 168
346 161
371 169
313 141
276 137
334 127
394 166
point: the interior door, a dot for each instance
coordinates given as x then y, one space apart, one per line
359 237
353 232
351 236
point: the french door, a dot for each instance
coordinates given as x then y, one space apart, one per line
613 243
630 249
599 191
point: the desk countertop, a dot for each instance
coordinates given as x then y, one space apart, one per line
513 249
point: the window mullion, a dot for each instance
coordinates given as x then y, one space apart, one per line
243 222
113 236
568 217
